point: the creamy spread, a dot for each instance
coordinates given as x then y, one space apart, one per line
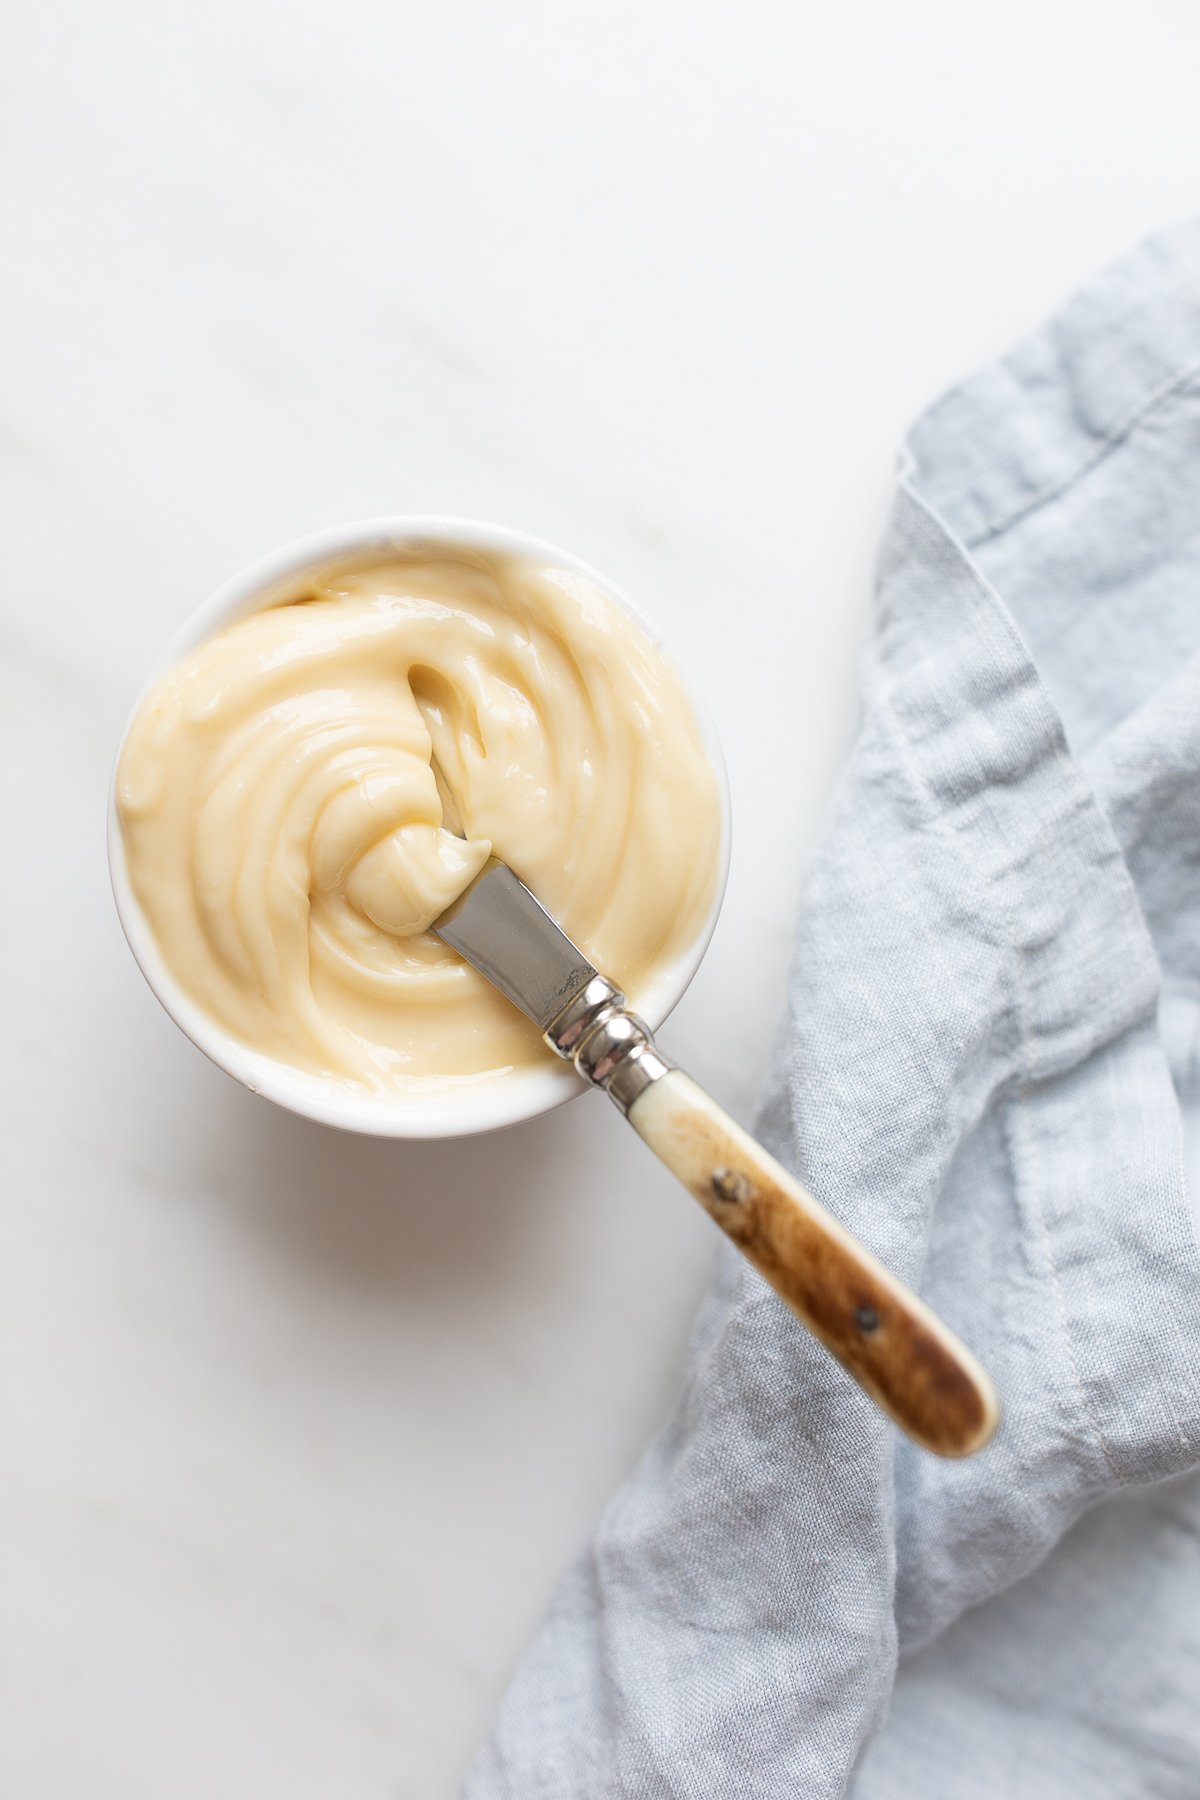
303 794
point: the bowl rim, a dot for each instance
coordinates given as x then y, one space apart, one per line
492 1103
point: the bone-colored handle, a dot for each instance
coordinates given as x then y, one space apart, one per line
891 1343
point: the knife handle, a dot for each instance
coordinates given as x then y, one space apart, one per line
893 1346
898 1351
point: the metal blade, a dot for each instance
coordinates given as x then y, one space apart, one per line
507 935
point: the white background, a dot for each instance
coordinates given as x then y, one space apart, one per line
296 1430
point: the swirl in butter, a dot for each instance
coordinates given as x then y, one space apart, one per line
292 795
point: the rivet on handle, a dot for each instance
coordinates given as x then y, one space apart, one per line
728 1185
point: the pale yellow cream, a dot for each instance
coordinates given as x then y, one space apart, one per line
284 825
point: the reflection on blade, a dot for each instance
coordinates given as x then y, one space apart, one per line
507 935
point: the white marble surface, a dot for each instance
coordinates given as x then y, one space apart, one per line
297 1431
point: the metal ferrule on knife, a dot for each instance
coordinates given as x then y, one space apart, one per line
609 1045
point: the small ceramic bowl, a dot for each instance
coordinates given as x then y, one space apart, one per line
458 1113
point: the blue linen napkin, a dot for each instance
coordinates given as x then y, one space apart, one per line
990 1069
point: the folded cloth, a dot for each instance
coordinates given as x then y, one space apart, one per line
990 1069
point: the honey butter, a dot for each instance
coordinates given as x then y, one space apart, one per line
302 795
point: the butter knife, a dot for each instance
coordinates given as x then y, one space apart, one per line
889 1341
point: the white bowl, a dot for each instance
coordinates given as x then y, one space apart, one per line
457 1113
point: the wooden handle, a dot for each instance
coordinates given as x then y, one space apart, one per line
891 1343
